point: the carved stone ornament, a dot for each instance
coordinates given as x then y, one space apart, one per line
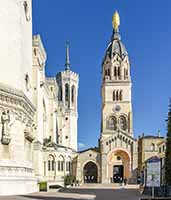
6 124
28 134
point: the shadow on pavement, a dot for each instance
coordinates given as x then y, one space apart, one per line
48 197
108 194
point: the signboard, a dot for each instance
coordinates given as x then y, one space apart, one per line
153 172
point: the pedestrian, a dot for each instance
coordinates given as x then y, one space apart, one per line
125 181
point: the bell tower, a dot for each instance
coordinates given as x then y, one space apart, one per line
67 82
118 148
116 86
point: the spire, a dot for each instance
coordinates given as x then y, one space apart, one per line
67 64
116 21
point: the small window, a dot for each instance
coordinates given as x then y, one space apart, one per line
118 158
108 72
163 148
70 166
114 98
49 165
59 165
73 94
67 93
152 147
62 165
60 93
159 149
53 165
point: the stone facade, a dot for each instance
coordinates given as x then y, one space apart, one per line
147 148
38 125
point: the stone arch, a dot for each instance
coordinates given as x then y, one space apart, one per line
90 172
68 162
111 123
123 122
61 163
51 165
118 164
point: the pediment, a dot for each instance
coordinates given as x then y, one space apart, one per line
121 136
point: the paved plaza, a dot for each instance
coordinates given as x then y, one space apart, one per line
89 192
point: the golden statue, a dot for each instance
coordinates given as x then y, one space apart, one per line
116 21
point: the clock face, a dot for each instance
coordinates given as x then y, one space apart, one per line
117 108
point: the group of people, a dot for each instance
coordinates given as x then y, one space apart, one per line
118 179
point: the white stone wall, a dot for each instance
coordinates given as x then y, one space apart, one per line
16 45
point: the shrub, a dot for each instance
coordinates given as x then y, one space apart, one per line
69 179
43 186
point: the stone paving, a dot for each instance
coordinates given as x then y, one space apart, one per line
89 192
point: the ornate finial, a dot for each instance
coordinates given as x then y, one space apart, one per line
67 64
116 21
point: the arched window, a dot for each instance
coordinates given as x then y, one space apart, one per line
61 163
119 71
60 93
67 92
108 72
112 123
115 72
114 95
123 122
51 163
73 94
152 147
121 95
117 95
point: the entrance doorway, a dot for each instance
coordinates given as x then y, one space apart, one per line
90 173
118 173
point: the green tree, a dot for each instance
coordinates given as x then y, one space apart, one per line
168 149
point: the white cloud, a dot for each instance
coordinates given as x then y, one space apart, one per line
81 145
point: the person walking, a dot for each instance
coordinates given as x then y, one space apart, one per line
125 181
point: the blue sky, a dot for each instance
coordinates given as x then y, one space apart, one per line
146 32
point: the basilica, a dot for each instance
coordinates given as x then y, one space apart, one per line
38 114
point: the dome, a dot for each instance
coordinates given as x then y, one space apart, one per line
116 47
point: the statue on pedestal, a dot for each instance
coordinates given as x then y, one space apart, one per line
5 121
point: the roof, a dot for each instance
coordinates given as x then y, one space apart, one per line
151 136
116 47
56 146
96 149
